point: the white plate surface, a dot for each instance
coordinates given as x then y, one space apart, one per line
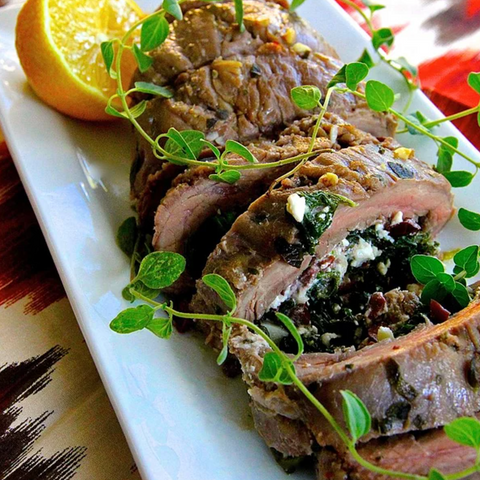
182 418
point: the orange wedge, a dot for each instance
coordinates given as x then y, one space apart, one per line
58 43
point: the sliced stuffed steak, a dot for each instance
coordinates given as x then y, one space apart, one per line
197 211
267 251
342 274
233 85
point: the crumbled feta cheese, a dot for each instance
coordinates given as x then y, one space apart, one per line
296 206
362 252
397 218
384 333
383 267
327 338
345 242
382 233
301 296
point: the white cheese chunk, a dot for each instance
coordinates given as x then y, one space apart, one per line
384 333
362 252
397 218
296 206
382 233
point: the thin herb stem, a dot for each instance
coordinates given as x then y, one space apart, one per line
422 130
464 473
361 12
323 109
450 118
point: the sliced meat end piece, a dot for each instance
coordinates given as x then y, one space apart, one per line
209 31
416 454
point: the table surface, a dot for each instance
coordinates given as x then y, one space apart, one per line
56 421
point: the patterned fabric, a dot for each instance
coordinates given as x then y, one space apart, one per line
55 419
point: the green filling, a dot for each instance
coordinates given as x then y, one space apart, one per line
339 309
320 207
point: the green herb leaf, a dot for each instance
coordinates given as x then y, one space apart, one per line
295 4
140 288
433 290
406 65
290 326
339 77
114 112
212 147
383 36
154 32
461 295
138 109
223 289
160 269
459 178
108 56
144 61
222 356
418 118
173 8
132 319
306 97
465 431
273 371
239 14
230 176
356 415
474 81
435 475
127 236
162 327
375 8
425 268
445 155
188 143
234 147
380 97
467 259
354 74
366 58
152 89
470 220
447 282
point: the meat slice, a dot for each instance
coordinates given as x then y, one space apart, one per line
209 31
233 85
256 254
194 198
420 381
406 453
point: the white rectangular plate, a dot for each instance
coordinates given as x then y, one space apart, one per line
183 419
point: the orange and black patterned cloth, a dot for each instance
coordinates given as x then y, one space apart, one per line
55 419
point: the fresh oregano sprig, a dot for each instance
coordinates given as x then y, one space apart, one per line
163 268
439 285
